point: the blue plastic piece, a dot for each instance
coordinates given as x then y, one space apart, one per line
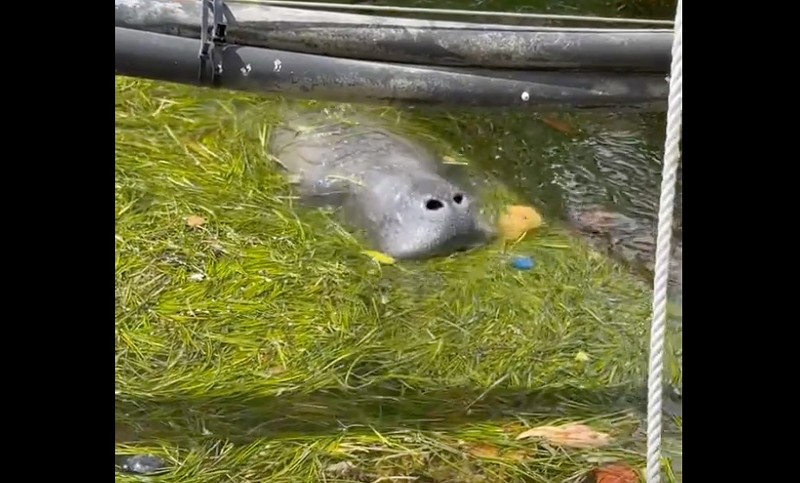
523 263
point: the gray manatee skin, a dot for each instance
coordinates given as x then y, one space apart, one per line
384 183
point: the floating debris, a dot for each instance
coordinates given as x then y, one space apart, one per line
485 451
518 220
379 257
197 277
195 221
616 473
342 469
581 356
523 263
569 435
559 125
143 464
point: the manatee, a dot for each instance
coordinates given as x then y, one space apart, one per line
385 185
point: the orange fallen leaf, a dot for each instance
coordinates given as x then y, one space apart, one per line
518 220
195 221
558 125
484 451
569 435
616 473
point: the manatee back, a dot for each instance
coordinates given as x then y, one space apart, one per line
325 155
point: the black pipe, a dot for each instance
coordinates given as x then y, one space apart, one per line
645 52
164 57
425 42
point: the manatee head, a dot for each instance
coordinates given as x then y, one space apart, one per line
420 215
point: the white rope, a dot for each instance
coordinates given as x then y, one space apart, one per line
658 331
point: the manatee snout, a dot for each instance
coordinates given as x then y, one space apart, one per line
458 199
434 218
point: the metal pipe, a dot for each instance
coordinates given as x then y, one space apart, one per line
169 58
449 11
425 42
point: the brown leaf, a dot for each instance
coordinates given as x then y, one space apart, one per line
559 125
195 221
568 435
616 473
484 451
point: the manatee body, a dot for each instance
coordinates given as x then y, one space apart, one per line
385 184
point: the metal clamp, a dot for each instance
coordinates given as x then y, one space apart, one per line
211 50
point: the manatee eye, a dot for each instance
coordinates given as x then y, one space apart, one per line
433 204
458 198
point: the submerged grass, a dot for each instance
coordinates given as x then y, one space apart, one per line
262 345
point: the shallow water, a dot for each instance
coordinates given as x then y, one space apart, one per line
589 171
578 165
566 164
575 166
605 160
608 164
